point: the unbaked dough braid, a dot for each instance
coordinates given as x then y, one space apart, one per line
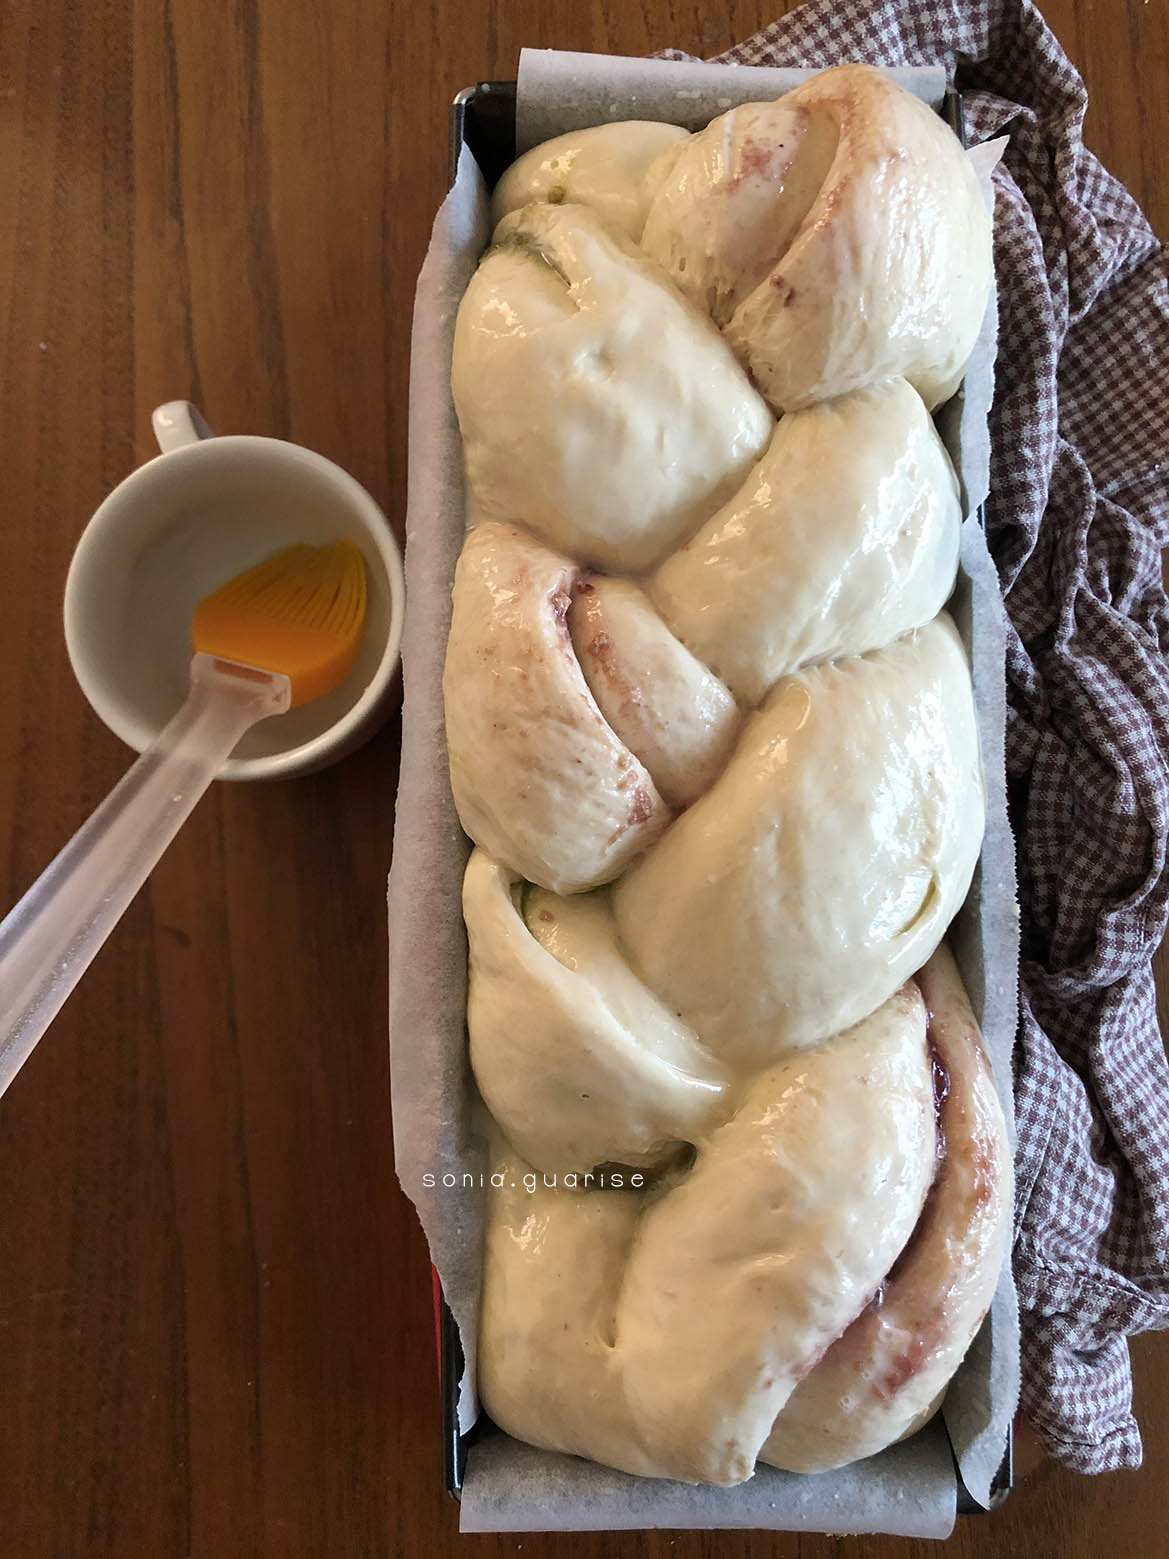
713 735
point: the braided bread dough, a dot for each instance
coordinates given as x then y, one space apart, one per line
886 1374
596 407
839 236
576 1059
844 535
713 736
823 866
539 779
605 169
662 1335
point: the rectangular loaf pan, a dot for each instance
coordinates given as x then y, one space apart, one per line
483 120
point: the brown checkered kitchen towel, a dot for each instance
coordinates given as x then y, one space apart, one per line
1078 513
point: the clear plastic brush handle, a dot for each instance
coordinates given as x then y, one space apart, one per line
50 938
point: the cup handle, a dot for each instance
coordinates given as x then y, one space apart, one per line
178 423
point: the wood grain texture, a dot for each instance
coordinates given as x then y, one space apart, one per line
215 1329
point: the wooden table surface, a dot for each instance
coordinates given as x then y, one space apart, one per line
215 1323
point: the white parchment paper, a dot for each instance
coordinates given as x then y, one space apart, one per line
432 1090
558 91
908 1490
440 1155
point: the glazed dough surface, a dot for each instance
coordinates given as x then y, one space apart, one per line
838 235
576 1059
539 779
824 865
597 408
604 168
844 536
662 1334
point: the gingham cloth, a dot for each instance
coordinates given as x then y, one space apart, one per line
1078 513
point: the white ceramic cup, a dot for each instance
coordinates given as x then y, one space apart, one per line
181 525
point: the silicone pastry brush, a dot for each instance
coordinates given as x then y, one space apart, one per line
282 634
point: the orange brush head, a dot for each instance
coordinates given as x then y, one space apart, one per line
301 612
